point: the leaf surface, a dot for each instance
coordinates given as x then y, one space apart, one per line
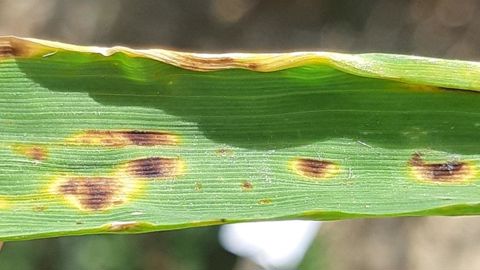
117 140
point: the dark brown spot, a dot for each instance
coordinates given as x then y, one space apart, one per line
93 193
265 201
154 167
149 138
122 138
440 172
223 220
315 168
247 186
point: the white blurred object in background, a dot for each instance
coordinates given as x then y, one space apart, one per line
272 244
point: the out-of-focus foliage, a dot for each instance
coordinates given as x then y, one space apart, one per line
187 249
442 28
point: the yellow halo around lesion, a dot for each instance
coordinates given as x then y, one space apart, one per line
449 172
78 191
315 169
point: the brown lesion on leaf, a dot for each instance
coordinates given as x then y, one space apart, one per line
315 168
94 193
34 152
442 172
255 62
247 186
100 193
220 60
253 66
154 167
7 49
192 61
150 138
11 47
122 138
91 193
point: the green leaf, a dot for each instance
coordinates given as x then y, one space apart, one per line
116 140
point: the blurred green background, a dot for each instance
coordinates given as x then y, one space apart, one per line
440 28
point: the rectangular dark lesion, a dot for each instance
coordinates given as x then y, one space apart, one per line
149 138
153 167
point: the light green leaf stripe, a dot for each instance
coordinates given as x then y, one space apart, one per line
116 140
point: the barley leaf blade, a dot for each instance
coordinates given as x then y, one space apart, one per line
97 140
